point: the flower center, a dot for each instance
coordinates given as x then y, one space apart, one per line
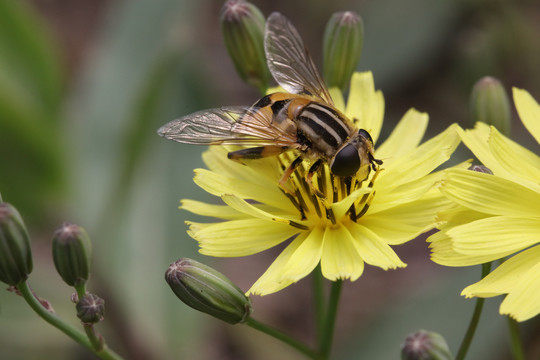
317 201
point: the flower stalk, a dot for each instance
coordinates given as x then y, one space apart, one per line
103 352
515 339
473 324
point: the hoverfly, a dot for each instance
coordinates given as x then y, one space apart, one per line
304 119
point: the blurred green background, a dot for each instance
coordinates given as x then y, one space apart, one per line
84 84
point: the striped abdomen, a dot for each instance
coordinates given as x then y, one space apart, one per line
325 128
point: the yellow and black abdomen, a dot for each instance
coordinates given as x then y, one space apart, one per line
324 127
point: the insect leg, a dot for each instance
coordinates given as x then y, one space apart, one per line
309 178
289 171
256 153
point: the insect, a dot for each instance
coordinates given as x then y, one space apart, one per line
304 119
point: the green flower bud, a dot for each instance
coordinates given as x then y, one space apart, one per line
207 290
490 104
342 47
424 345
242 25
90 309
72 254
15 252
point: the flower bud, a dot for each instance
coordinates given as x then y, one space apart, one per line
90 309
72 254
207 290
480 168
342 47
424 345
15 252
242 25
490 104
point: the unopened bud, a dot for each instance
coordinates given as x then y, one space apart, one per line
480 168
424 345
342 44
15 252
72 254
490 104
242 25
90 309
208 291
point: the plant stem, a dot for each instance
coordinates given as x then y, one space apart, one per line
328 332
318 293
467 339
275 333
517 346
55 321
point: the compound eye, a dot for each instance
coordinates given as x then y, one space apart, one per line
365 134
346 162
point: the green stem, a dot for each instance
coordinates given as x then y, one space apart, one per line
55 321
257 325
328 332
517 346
473 324
318 291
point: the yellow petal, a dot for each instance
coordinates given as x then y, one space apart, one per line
341 207
340 259
219 185
496 236
372 249
477 141
305 257
239 237
443 253
406 136
529 112
504 279
490 194
272 280
388 195
420 161
516 159
523 302
251 210
405 222
365 106
204 209
337 97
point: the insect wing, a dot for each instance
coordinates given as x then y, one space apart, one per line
290 62
228 126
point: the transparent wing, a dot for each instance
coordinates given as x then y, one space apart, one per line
228 126
290 62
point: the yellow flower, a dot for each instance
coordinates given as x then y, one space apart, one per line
350 226
498 215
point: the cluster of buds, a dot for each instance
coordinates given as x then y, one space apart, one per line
243 26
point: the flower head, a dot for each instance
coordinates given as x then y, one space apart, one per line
497 215
352 224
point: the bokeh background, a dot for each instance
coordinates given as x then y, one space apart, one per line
84 84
